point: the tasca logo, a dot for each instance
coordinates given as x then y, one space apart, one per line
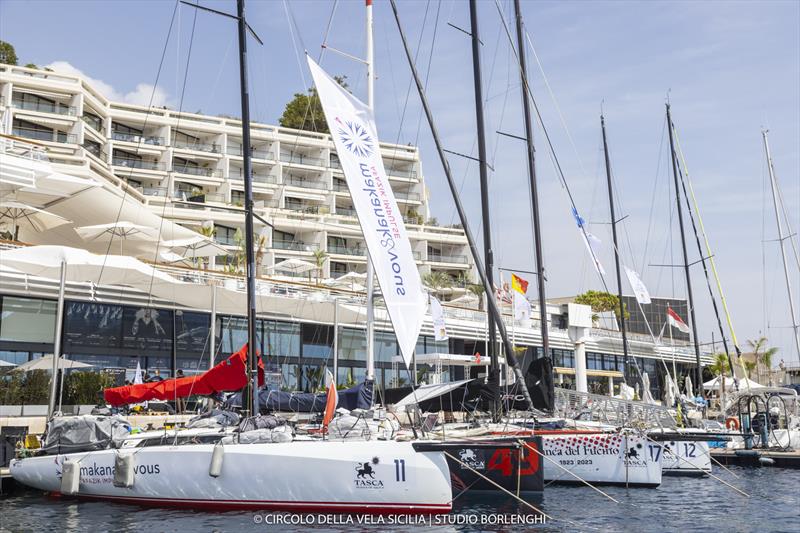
470 459
365 475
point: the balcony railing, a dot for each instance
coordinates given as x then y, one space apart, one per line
340 186
347 250
154 191
95 124
200 147
408 196
412 220
348 212
196 171
397 173
306 184
299 159
136 163
297 246
255 154
54 136
238 174
310 209
135 138
44 107
336 164
442 258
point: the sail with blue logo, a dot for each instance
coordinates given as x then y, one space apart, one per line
355 136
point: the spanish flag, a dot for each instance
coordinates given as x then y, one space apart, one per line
519 284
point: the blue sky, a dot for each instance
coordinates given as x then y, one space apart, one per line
729 68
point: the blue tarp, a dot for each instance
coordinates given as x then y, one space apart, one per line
358 397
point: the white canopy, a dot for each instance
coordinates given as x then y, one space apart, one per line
744 383
426 392
195 246
46 363
6 363
297 266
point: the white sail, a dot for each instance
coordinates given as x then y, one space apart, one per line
352 127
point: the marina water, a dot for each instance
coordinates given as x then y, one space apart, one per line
679 504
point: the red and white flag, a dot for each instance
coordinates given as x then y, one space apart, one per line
676 322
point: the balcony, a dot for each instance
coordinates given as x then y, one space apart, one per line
200 147
53 136
255 154
407 196
135 138
412 220
44 107
296 246
196 171
136 163
340 186
345 211
304 183
309 209
94 123
441 258
397 173
238 174
357 250
299 159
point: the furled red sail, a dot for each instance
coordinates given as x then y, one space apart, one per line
229 375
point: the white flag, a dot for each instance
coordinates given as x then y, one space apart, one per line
522 308
437 313
593 245
137 377
638 287
355 136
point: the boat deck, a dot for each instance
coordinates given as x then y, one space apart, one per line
783 459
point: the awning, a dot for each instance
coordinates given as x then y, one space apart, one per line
427 392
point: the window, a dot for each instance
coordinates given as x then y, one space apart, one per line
594 361
338 269
225 235
31 130
27 320
282 339
92 326
234 335
317 340
352 345
237 197
385 346
93 148
192 333
122 128
93 120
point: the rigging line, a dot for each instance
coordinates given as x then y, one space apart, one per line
554 157
290 21
790 234
177 130
141 137
709 253
764 310
653 196
327 30
219 73
428 70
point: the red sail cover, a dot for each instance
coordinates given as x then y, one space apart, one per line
229 375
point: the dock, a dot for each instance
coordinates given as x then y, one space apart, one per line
758 457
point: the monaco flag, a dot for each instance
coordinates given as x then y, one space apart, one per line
676 322
355 137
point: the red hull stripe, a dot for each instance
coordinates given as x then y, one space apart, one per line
274 505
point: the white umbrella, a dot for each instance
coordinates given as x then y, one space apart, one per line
46 363
20 214
6 363
296 266
744 383
197 246
121 230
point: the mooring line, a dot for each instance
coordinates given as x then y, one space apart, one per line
743 493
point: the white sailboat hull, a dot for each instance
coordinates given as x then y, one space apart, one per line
602 458
686 458
366 477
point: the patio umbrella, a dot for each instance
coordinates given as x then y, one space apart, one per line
20 214
198 246
121 230
295 266
6 363
46 363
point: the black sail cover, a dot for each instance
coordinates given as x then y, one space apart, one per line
539 380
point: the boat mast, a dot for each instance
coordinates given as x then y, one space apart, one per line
494 367
698 369
616 252
537 230
781 238
370 267
251 393
462 215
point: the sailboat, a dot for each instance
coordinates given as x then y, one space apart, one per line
365 477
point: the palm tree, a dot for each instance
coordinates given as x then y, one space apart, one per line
720 366
319 260
763 355
477 290
437 281
749 366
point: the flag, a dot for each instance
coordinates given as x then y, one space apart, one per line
352 127
593 245
676 322
522 308
332 401
437 313
638 287
137 377
519 284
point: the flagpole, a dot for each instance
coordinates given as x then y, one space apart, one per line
370 267
698 369
623 329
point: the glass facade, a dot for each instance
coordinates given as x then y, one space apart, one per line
656 315
296 354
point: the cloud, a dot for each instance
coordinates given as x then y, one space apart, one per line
140 96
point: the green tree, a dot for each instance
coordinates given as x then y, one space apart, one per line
477 290
437 281
304 112
601 302
720 366
763 355
7 53
319 260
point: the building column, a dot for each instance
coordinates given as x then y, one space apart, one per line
580 366
580 325
611 385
